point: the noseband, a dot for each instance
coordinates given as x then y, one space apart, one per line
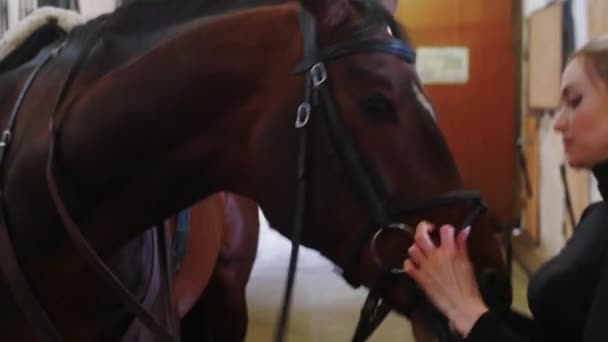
381 211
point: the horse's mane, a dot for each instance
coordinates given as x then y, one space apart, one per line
145 16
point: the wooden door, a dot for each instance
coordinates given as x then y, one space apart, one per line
479 116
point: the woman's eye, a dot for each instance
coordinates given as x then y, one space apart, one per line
575 101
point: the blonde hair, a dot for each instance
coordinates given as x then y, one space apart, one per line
595 56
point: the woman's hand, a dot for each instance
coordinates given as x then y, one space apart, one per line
445 273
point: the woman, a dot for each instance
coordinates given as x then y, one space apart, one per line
568 296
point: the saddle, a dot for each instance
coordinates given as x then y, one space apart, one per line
42 28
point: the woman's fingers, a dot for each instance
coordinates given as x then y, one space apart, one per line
461 240
416 255
423 239
447 237
412 270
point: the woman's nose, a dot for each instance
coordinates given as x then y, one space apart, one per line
561 123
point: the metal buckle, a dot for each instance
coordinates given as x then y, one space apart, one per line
57 50
303 115
318 74
6 138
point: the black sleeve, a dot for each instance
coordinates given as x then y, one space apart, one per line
493 327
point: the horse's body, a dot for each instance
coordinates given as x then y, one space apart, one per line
154 122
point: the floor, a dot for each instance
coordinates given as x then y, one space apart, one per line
324 307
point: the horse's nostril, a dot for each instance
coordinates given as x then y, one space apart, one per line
495 289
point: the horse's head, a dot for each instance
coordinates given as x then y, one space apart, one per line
376 160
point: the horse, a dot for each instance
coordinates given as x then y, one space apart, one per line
116 132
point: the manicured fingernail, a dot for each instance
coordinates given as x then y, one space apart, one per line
407 266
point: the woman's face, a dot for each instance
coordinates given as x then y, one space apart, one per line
583 116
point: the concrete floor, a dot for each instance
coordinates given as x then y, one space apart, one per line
324 307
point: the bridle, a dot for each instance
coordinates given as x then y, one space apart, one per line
318 96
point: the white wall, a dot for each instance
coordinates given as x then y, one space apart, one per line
93 8
13 10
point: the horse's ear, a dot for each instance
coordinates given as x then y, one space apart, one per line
328 11
390 5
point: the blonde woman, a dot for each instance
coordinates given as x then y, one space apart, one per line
568 296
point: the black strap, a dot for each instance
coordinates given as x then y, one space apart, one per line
295 237
392 46
307 24
450 198
374 311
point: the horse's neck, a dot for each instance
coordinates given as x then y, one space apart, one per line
175 125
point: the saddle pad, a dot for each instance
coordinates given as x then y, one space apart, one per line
66 19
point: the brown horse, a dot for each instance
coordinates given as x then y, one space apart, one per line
148 124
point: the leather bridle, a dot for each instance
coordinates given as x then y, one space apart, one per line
380 210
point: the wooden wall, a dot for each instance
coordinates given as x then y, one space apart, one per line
598 17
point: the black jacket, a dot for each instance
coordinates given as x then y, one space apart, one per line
568 296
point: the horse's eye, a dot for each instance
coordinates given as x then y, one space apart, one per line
378 109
